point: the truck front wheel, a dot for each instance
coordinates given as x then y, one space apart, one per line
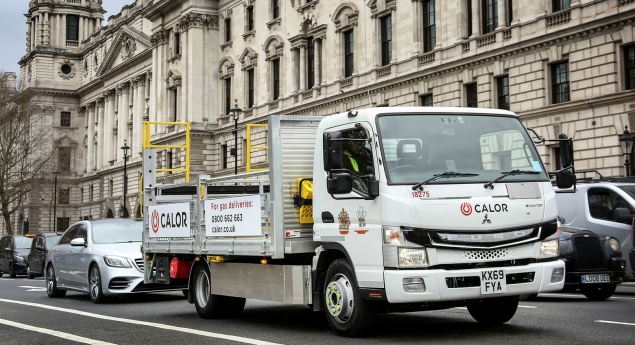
209 306
347 313
493 311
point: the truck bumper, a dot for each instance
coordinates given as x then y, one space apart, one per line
437 287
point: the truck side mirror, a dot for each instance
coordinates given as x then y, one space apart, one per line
565 179
339 183
623 215
566 148
332 151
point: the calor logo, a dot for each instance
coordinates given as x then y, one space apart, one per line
466 209
154 221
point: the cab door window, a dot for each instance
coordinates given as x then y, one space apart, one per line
604 202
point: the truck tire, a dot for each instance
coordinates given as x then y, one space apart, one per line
599 292
209 306
347 313
51 284
493 311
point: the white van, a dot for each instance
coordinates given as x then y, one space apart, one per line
603 205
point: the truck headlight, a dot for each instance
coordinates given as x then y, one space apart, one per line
549 249
116 261
411 257
615 244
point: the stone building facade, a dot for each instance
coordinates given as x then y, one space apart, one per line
565 66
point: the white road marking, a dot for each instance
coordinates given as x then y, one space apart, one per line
145 323
616 323
579 296
54 333
520 306
34 288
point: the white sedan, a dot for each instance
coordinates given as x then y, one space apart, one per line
100 257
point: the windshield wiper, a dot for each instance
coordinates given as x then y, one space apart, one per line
508 173
445 174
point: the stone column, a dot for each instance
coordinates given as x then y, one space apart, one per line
476 17
90 155
45 28
80 30
40 28
318 61
100 122
110 124
63 31
302 67
117 141
28 36
461 19
124 111
502 14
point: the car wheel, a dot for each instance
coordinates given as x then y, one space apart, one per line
210 306
0 274
51 284
11 270
493 311
600 292
95 286
28 272
347 313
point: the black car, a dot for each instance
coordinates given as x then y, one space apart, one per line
13 253
594 263
37 255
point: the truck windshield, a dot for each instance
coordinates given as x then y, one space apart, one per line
415 147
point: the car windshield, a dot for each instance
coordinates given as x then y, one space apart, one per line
111 232
23 242
476 148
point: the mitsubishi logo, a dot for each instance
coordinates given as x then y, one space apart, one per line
486 221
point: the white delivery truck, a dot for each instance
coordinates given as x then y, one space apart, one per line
367 211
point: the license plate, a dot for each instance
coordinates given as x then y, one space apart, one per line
595 278
493 281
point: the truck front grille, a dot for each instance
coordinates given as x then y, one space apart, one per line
588 250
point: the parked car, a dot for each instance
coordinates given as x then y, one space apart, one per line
605 205
593 263
13 253
100 257
37 255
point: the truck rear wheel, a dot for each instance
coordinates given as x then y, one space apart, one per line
209 306
347 313
600 292
493 311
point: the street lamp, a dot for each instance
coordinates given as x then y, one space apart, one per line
626 141
234 151
55 173
123 211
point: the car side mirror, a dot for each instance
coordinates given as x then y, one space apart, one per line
78 242
622 215
339 183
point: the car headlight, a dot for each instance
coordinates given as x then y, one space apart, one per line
549 249
117 261
615 244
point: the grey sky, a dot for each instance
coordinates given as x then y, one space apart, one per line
13 29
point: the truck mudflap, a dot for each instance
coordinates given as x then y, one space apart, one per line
447 285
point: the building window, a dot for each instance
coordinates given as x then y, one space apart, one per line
386 40
72 28
174 108
629 66
65 196
276 9
223 152
111 187
177 43
81 195
502 88
560 82
471 95
310 63
250 88
425 100
64 159
228 30
91 193
65 119
168 161
489 9
349 51
62 223
429 29
510 12
250 18
469 17
228 95
275 64
559 5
